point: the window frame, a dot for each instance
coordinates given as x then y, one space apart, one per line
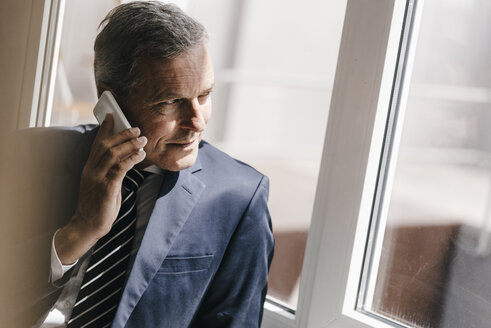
41 63
351 162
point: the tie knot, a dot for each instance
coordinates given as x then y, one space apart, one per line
134 178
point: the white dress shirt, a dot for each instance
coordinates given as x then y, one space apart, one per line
145 201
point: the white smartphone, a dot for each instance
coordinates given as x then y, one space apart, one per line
108 105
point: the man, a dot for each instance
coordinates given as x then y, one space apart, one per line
201 240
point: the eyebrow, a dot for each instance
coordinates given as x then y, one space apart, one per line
166 94
210 89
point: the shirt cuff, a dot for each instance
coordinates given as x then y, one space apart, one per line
57 268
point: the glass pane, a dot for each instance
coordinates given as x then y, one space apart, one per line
271 100
435 258
276 115
75 93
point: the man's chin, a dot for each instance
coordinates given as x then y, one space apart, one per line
178 164
177 168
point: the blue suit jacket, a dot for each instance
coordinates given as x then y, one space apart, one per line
206 252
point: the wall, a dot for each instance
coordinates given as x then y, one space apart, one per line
18 21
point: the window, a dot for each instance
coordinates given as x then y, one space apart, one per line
405 158
401 236
433 209
370 52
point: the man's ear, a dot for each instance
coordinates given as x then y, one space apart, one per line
101 87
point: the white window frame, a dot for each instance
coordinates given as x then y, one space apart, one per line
41 63
357 120
358 114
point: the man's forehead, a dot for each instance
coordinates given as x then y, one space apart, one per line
189 72
191 61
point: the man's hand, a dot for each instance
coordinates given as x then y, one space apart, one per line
99 200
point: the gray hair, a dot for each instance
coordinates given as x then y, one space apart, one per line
136 30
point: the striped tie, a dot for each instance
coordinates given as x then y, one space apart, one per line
102 286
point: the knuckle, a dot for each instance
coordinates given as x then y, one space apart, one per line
111 178
127 133
139 156
135 143
118 166
111 152
103 145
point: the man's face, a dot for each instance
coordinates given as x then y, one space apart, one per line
172 107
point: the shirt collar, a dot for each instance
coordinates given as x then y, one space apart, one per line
154 169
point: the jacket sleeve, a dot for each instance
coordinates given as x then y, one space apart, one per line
236 294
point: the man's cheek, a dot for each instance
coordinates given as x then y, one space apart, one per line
206 118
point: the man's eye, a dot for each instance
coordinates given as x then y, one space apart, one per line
203 97
167 107
170 102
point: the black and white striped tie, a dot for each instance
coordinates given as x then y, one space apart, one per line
103 283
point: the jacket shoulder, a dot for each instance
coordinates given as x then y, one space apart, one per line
223 167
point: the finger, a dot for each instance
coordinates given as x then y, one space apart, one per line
129 162
118 171
104 131
122 137
115 155
104 140
106 127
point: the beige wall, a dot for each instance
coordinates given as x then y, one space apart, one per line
15 19
20 33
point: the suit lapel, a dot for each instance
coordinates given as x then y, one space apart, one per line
178 195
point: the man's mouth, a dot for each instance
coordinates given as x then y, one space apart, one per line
184 144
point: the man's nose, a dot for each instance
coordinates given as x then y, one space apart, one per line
193 118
